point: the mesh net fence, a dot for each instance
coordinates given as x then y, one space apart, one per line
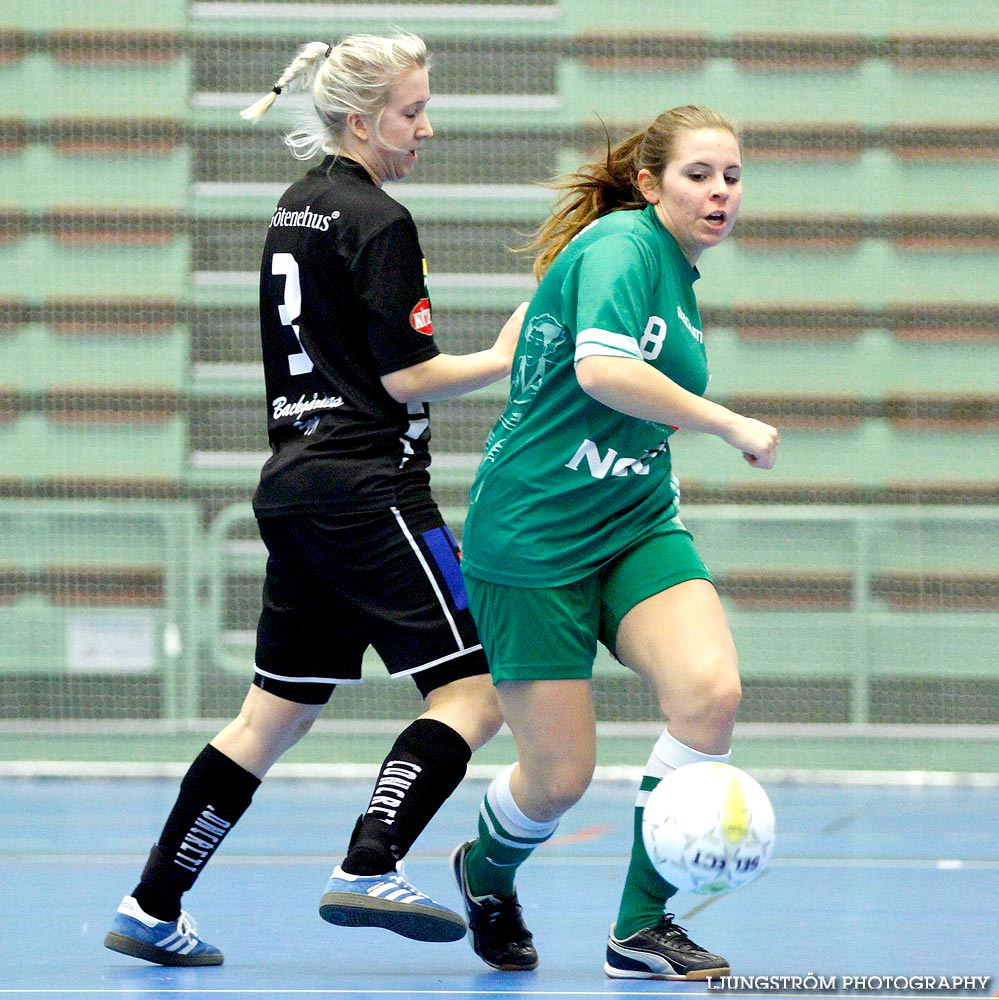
854 307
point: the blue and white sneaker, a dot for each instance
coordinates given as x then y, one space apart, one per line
165 942
388 901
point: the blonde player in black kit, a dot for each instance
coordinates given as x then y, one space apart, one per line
358 554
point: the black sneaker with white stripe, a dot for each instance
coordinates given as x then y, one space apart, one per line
661 952
499 936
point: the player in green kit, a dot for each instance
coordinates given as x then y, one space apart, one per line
573 534
557 449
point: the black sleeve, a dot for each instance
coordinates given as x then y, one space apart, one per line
391 286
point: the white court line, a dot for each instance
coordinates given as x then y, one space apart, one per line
610 773
548 858
698 990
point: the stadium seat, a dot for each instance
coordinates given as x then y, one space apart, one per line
937 592
791 52
786 590
950 51
942 141
792 141
135 586
813 232
92 346
915 592
86 435
97 47
644 51
13 138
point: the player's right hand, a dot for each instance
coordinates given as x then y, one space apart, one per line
756 440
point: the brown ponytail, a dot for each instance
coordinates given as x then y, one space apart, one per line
610 184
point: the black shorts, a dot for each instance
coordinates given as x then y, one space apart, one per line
337 584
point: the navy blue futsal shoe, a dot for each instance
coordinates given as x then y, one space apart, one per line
388 901
165 942
661 952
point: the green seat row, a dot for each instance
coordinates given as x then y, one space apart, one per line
102 587
871 364
38 178
530 19
38 267
136 15
873 93
871 273
525 19
473 244
36 449
108 90
719 18
36 357
864 639
161 89
873 454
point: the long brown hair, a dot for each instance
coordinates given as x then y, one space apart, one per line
610 184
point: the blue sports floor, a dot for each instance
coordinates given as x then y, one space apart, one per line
866 881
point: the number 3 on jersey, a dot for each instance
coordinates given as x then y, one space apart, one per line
291 308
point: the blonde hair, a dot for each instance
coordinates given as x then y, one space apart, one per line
611 184
356 75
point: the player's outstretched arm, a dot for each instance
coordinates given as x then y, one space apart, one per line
450 375
637 389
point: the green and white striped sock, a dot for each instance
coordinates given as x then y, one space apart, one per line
643 899
506 840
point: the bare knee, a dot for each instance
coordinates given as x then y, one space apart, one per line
721 698
703 715
566 790
264 729
485 713
470 707
272 737
299 726
547 793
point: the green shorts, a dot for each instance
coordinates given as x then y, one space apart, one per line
551 633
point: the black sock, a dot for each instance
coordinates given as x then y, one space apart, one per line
426 764
215 792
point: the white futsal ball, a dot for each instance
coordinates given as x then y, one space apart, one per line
708 828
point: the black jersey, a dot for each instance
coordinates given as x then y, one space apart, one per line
343 301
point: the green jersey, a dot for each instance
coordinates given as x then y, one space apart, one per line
567 483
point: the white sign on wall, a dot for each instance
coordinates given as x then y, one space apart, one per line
111 643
